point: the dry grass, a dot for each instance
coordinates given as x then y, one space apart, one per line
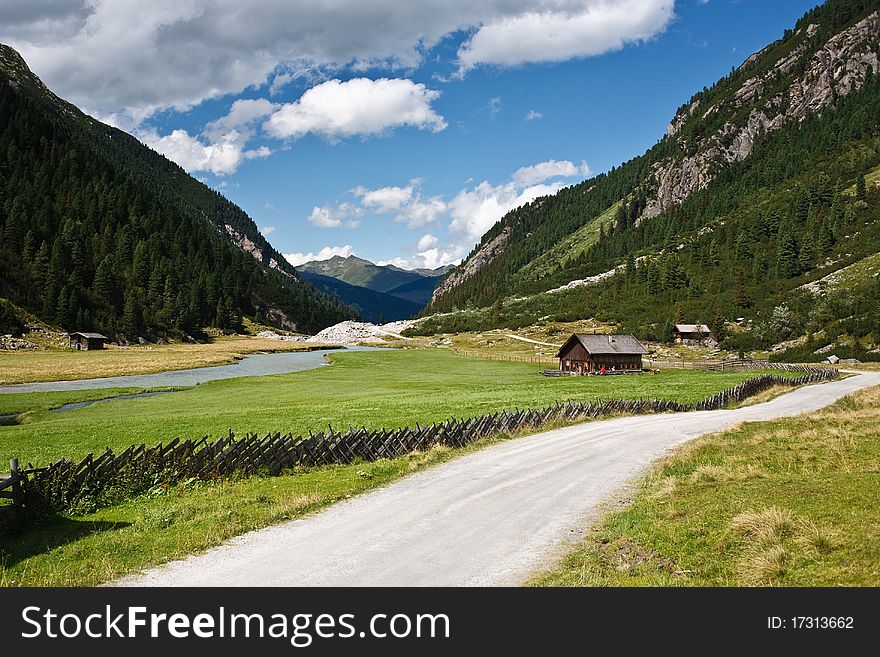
26 367
790 502
770 525
763 566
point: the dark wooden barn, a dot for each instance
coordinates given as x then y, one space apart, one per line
588 354
87 341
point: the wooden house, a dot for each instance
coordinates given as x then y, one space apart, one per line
692 333
87 341
588 354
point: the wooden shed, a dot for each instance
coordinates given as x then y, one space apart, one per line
588 354
692 333
87 341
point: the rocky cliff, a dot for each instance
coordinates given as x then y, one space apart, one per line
835 69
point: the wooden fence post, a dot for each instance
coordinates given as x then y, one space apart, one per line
17 490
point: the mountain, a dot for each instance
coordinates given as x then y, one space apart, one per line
357 271
418 291
372 306
415 285
762 187
102 233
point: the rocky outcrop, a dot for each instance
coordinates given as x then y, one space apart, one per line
836 69
244 242
473 264
247 245
681 118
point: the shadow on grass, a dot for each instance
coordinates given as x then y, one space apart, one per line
35 539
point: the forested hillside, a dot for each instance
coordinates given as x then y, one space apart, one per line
757 192
101 233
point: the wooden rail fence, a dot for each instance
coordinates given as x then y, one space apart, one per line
64 485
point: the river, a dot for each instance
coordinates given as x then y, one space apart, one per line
254 365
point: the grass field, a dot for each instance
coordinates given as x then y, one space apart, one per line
65 365
380 388
172 523
791 502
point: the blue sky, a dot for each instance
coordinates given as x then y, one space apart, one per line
396 132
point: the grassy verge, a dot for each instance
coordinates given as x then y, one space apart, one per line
171 523
65 365
790 502
381 388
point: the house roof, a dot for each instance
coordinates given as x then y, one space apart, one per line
692 328
90 336
605 344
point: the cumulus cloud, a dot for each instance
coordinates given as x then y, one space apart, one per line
404 203
267 230
128 58
297 259
244 113
568 30
550 169
427 242
429 259
327 216
475 210
534 115
220 157
470 212
360 106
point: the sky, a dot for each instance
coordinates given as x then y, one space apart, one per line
396 131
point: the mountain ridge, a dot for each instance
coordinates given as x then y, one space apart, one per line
839 48
101 232
757 189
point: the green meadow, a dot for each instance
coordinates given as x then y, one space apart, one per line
380 388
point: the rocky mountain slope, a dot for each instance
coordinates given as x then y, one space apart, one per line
763 183
828 55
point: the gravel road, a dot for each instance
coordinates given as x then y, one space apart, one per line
486 519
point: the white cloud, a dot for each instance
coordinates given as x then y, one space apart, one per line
129 58
267 230
471 212
244 113
326 253
332 217
427 242
360 106
429 259
565 31
405 203
534 115
550 169
220 157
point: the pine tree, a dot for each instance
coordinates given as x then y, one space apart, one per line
743 246
861 187
131 315
787 263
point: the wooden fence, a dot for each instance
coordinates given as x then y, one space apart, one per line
64 486
510 358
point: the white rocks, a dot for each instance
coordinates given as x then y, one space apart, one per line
362 332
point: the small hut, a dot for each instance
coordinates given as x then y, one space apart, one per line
692 333
87 341
588 354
